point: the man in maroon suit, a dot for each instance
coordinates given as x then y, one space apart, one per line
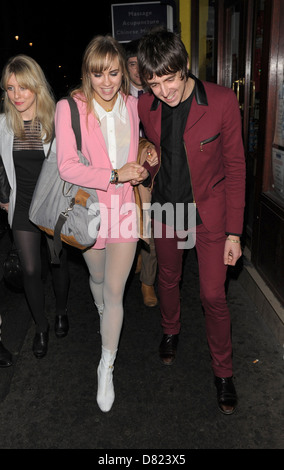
196 129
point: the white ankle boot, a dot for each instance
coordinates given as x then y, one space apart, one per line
105 394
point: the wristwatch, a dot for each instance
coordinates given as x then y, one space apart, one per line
113 177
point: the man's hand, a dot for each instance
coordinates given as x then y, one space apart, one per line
143 175
232 251
132 172
5 207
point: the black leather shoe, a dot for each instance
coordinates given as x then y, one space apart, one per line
40 344
6 359
61 325
226 395
168 349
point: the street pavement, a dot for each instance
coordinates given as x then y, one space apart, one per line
51 403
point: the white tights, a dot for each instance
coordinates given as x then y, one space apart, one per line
109 269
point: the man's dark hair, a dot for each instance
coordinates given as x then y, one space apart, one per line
131 48
161 52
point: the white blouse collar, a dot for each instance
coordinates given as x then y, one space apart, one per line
118 110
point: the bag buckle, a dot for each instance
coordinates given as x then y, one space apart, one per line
70 208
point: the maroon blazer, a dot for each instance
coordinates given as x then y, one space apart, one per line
215 153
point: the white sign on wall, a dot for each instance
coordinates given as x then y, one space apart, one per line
132 20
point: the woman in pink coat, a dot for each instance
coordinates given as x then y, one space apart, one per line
110 136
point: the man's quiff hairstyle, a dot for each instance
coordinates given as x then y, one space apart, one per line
162 52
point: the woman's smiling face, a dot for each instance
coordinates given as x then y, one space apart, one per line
106 84
22 98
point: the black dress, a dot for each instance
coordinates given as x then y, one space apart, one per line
28 155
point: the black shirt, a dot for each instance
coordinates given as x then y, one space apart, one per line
173 181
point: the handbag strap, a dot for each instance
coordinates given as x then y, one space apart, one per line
55 244
75 119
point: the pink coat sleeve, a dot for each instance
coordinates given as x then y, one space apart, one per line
97 174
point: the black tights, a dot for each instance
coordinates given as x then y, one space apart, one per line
28 245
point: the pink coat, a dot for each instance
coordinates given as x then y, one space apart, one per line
97 175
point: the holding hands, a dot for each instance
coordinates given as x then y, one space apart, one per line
136 173
149 155
132 172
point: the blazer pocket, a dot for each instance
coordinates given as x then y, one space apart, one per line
218 186
207 141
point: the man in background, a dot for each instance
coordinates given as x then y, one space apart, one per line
146 260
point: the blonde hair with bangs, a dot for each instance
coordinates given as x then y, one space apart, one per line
98 56
29 75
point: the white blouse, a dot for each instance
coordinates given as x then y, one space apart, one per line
115 127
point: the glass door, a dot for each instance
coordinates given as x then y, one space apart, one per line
240 42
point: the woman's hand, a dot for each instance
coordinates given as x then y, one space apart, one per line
149 155
132 172
152 156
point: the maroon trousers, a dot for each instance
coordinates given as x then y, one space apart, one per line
212 276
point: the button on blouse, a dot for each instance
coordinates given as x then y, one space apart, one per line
115 127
